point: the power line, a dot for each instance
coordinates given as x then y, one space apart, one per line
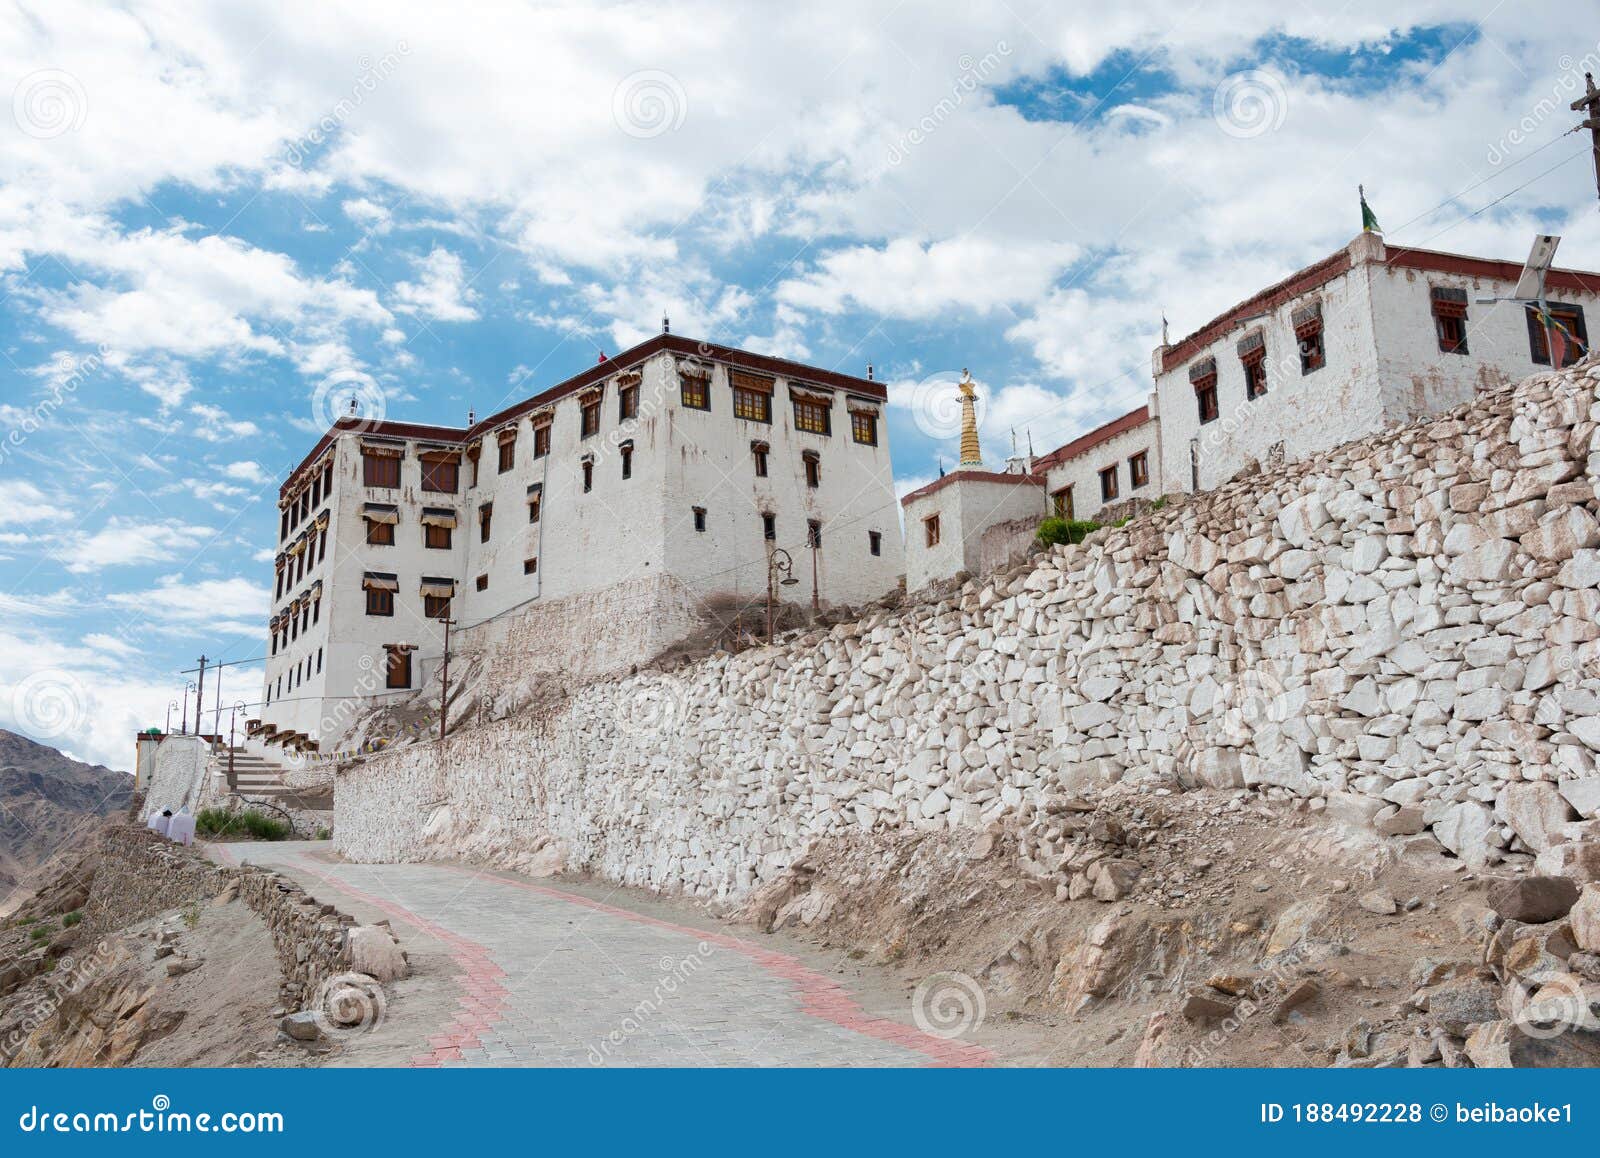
1581 153
1448 201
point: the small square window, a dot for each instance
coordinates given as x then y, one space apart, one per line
380 470
864 427
812 415
813 465
699 518
379 602
1061 503
530 566
436 606
435 537
1562 328
380 534
482 583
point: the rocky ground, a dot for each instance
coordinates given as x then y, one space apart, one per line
1212 928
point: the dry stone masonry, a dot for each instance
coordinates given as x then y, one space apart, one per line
1402 632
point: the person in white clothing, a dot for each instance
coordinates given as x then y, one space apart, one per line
182 827
163 823
154 821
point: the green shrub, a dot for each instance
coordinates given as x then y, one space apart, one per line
1053 531
323 833
249 823
39 932
71 919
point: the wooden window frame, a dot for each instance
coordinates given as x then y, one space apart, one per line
1138 470
370 475
485 521
932 530
1061 502
541 440
1539 339
758 453
437 471
864 427
1205 396
1109 484
812 462
694 391
436 606
1255 373
811 415
627 401
530 566
380 602
589 418
379 534
432 533
535 505
481 583
508 454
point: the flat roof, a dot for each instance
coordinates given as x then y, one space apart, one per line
977 476
649 348
1334 265
1087 442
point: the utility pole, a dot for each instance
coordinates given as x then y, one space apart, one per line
1590 103
444 682
199 694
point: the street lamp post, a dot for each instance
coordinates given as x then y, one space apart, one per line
167 731
187 688
233 713
779 563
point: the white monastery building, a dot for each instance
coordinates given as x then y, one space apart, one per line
1371 337
589 527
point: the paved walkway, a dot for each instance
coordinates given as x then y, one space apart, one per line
509 972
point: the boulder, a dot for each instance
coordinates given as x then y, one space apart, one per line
1585 919
301 1026
374 951
1465 830
1379 901
1456 1006
1533 900
1501 1044
1534 809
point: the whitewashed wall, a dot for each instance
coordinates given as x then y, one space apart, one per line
1082 472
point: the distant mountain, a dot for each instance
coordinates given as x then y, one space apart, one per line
46 799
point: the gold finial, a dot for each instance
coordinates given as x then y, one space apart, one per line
971 456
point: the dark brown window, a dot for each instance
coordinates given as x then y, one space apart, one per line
380 533
699 518
485 516
588 475
625 451
380 470
769 526
535 502
864 427
541 440
813 533
1061 503
627 402
1563 328
1450 319
695 391
813 464
1205 396
812 415
1108 484
508 453
591 418
758 451
380 601
1139 470
398 667
875 542
436 537
930 530
1255 372
530 566
436 606
482 583
441 473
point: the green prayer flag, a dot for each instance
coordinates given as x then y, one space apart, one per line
1369 221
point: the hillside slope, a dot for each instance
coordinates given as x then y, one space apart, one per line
45 798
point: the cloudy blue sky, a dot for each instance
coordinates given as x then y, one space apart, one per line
215 218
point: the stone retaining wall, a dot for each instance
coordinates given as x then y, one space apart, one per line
1404 629
140 874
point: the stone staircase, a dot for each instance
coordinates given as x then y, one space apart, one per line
254 775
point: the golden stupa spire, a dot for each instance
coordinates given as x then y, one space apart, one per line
971 456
